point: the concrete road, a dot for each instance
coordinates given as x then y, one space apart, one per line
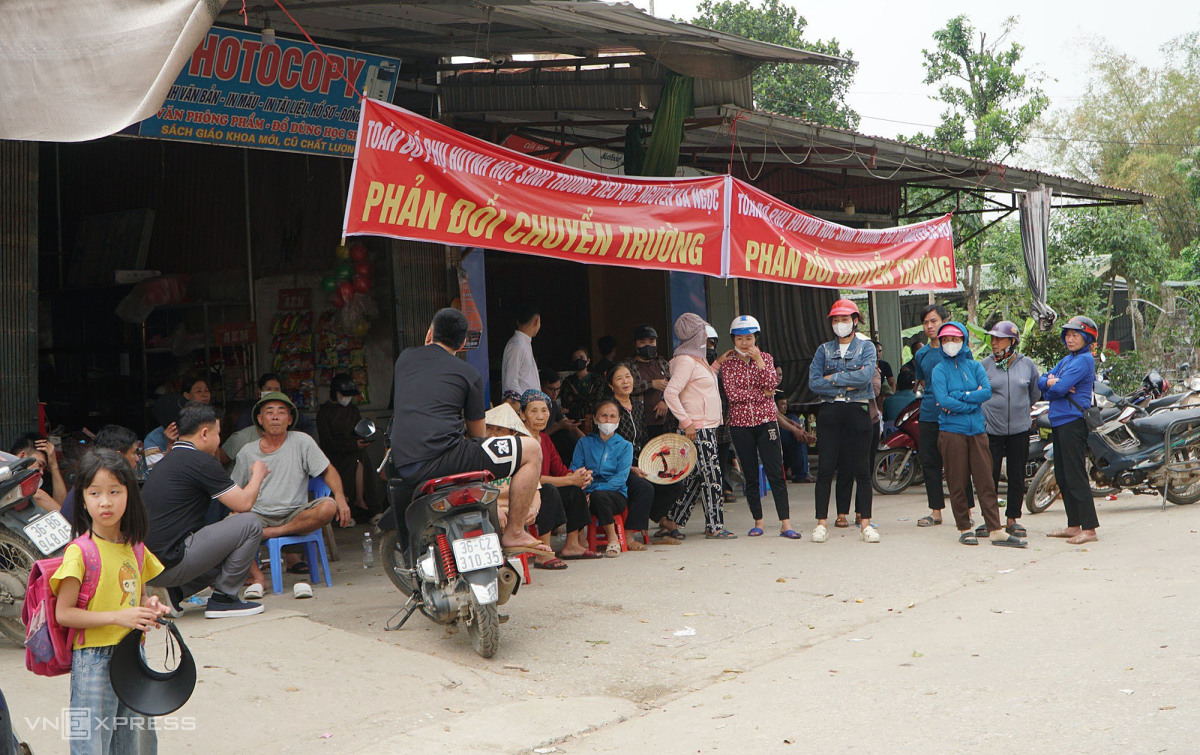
917 644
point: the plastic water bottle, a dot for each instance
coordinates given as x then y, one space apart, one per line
368 551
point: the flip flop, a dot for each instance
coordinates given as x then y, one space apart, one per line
968 538
1012 542
928 521
755 532
1061 533
790 534
841 523
300 567
586 555
516 550
554 564
1082 539
720 535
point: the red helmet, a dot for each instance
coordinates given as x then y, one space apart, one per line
844 307
1084 325
950 329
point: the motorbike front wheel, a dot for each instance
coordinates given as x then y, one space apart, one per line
1187 492
894 470
17 555
393 561
484 628
1043 489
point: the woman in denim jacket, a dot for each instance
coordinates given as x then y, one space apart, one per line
840 373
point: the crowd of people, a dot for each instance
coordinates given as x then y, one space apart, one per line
200 517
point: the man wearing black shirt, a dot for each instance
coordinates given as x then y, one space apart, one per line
435 394
177 495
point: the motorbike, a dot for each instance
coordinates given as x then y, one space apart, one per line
1129 452
441 547
897 464
27 533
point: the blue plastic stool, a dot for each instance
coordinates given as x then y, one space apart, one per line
313 542
763 485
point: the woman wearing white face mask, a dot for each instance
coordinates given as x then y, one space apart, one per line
346 451
841 373
961 386
609 457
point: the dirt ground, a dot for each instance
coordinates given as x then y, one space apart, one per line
914 644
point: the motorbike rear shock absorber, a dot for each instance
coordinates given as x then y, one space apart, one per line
448 565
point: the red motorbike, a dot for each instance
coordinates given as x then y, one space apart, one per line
897 462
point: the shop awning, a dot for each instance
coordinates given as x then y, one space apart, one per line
418 179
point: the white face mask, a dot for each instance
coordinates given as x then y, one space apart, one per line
952 349
843 329
740 352
607 428
345 400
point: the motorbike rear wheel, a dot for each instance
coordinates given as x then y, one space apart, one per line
484 628
393 561
1043 489
1188 492
17 555
894 470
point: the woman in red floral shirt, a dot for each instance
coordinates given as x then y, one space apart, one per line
748 374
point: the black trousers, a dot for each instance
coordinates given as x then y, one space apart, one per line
1070 470
725 454
552 513
760 445
931 466
664 497
641 500
1015 448
605 504
844 491
843 443
574 505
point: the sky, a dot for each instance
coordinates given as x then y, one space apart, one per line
887 38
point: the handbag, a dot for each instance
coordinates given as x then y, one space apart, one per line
1091 415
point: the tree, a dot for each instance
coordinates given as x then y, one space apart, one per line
991 107
1132 128
812 92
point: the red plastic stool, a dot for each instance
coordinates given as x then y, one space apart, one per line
597 537
533 530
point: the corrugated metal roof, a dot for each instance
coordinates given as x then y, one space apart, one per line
445 28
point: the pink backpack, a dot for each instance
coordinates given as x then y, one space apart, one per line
48 644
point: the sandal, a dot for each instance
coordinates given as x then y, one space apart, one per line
841 522
586 555
928 521
1016 530
1012 542
554 564
1081 539
300 567
302 590
755 532
612 550
981 531
634 544
968 538
790 534
720 535
253 592
1061 533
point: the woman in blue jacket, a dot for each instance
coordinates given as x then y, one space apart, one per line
609 456
1068 388
960 386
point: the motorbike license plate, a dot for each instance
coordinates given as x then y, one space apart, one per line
474 553
49 533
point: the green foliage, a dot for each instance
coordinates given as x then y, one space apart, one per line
990 104
1135 127
1128 369
814 93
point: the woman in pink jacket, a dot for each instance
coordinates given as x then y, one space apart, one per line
692 397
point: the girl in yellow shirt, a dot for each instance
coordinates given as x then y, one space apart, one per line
109 509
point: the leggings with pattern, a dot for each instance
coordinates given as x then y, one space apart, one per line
705 482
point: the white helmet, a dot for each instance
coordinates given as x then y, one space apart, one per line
744 325
710 332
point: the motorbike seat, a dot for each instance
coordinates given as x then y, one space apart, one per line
1157 424
1168 400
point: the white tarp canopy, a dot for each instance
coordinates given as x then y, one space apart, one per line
73 70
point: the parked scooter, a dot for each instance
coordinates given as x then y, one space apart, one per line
27 533
1127 451
897 461
442 550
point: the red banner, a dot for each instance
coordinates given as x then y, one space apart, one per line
417 179
772 241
